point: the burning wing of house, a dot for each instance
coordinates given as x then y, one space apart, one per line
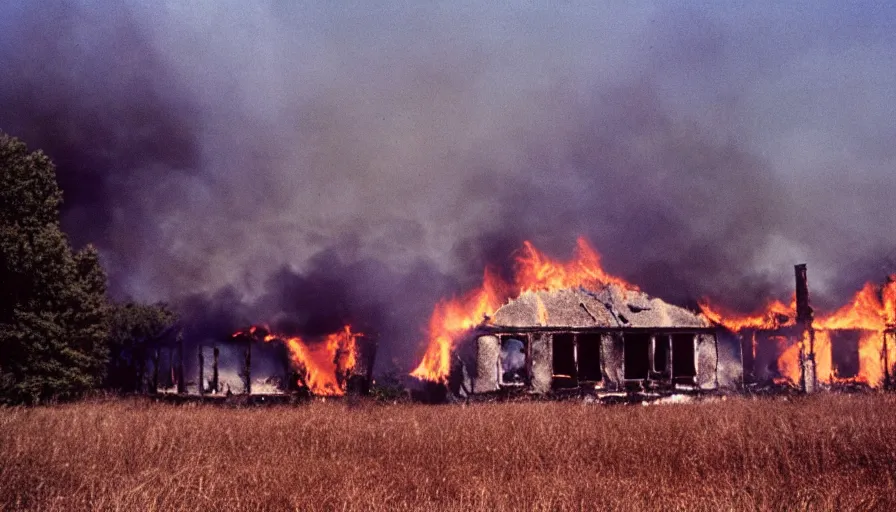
257 361
791 345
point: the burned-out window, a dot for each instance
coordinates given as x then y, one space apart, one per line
588 348
683 356
661 354
514 369
636 355
564 360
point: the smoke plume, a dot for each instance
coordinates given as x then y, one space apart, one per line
314 163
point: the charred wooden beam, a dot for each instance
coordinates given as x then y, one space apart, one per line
369 345
803 310
804 319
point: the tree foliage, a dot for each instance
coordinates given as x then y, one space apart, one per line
133 330
53 308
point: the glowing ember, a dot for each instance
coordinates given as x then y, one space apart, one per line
324 365
534 271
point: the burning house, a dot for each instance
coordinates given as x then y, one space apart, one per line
606 340
559 327
257 361
565 328
570 326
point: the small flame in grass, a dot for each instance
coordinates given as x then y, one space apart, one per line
324 365
534 271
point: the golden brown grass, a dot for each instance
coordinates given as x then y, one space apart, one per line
824 452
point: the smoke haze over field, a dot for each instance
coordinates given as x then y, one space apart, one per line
320 163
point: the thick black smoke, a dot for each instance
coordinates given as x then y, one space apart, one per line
310 164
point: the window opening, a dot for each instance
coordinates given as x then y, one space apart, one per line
564 360
636 355
844 353
683 356
661 354
588 351
513 361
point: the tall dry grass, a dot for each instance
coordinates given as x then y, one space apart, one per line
824 452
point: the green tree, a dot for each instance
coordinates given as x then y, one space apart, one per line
133 330
53 309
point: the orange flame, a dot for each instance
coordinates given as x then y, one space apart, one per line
775 315
453 317
889 295
789 360
325 364
534 271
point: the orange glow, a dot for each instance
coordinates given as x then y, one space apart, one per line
864 312
824 363
872 310
451 318
889 294
534 271
775 315
325 364
789 361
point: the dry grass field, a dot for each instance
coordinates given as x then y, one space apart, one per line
828 452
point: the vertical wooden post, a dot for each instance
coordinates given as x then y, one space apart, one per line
140 371
171 378
215 353
372 346
155 371
248 368
181 385
804 319
886 360
201 372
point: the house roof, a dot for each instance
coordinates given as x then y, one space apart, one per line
610 307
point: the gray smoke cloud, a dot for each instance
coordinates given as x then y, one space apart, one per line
216 149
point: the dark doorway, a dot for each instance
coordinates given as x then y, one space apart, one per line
564 361
588 346
683 356
636 356
661 351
